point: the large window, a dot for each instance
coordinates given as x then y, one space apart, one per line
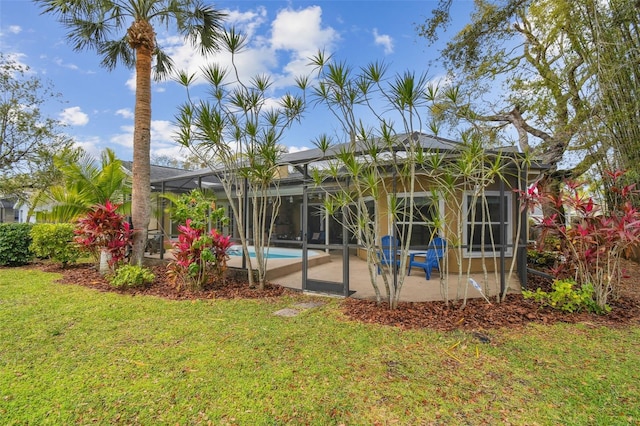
424 215
482 229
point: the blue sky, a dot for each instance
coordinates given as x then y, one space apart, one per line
98 105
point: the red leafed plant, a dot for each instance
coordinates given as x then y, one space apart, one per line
103 229
592 244
200 258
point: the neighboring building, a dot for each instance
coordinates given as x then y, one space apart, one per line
8 213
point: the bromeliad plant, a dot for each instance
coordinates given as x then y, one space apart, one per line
103 229
199 256
596 239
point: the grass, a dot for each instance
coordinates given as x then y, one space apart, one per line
74 355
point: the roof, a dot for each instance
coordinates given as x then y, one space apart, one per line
176 179
427 142
7 203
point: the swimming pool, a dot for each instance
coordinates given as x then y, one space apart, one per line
272 252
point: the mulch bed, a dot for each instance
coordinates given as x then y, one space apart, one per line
515 311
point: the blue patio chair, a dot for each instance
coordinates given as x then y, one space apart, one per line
432 257
388 252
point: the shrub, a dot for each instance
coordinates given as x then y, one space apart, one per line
542 258
128 276
199 257
565 297
14 244
593 244
54 241
103 229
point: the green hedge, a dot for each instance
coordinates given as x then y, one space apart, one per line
15 239
54 241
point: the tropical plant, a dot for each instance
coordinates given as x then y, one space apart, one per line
15 239
104 232
101 25
55 242
196 205
237 133
200 257
85 185
595 241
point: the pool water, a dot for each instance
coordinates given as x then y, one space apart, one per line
271 252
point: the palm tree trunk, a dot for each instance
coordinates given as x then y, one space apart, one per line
141 185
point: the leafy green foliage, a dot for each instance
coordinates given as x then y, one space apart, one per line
131 276
54 241
542 257
86 183
196 206
15 239
566 297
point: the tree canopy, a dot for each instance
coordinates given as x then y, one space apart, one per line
538 67
28 138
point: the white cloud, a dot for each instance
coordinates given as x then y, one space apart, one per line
131 83
74 116
301 31
125 138
61 63
125 113
162 132
383 40
92 145
15 29
249 21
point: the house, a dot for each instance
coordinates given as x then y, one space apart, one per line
8 211
479 217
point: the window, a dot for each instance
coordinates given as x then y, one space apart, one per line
424 214
367 211
485 216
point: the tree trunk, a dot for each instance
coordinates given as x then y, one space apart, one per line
141 38
103 266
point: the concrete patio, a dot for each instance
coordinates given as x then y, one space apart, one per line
328 267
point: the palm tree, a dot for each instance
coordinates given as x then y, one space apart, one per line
85 185
102 25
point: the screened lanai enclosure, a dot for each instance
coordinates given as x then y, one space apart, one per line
478 216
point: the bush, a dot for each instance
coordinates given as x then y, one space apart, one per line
55 242
128 276
565 297
199 257
542 258
14 244
104 230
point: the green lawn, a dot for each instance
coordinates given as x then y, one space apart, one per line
73 355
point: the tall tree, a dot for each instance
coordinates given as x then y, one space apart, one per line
539 52
28 139
614 42
122 31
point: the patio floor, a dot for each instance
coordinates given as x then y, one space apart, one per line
328 267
